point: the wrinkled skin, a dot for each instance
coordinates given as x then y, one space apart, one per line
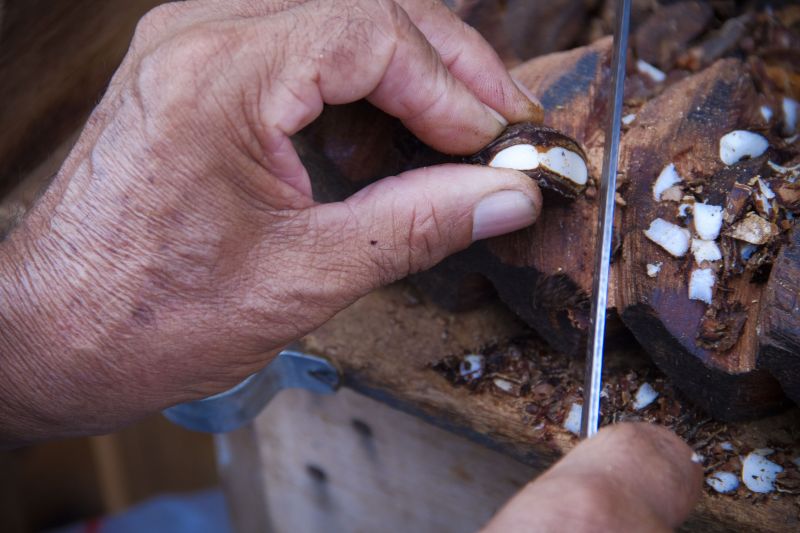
179 248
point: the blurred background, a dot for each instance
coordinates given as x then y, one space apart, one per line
141 468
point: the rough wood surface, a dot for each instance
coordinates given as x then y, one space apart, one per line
702 108
779 339
521 29
387 343
544 273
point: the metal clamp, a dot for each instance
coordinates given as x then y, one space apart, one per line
238 406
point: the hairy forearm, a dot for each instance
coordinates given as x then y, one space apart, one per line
54 378
29 392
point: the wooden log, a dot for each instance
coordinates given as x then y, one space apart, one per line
668 30
520 29
779 339
544 273
683 127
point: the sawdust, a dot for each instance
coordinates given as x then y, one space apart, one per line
546 384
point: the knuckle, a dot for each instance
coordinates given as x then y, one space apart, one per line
394 19
182 67
154 24
387 266
425 238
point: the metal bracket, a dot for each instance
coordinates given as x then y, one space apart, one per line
238 406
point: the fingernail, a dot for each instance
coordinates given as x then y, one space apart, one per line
527 92
502 212
500 118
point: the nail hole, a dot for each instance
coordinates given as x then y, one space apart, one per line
316 473
362 428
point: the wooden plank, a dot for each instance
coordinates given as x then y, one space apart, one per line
387 343
241 474
348 463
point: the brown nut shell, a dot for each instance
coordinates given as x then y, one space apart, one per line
542 139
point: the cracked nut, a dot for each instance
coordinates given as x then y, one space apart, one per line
555 161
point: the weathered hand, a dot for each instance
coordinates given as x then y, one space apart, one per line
629 477
179 247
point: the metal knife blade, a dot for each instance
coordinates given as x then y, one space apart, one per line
593 384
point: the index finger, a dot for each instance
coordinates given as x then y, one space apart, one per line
471 59
370 49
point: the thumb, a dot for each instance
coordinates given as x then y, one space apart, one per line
408 223
629 477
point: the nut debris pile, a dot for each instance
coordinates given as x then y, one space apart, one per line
744 235
545 388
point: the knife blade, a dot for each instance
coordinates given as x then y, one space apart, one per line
593 383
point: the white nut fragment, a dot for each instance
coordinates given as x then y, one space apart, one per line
517 157
674 239
723 482
789 115
653 269
471 367
666 179
647 69
738 144
705 251
753 229
766 112
565 163
762 198
701 284
726 446
503 384
759 473
572 422
644 396
707 220
765 189
627 119
683 210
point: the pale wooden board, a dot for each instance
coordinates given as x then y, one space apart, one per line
347 463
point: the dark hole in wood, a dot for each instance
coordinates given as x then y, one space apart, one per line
362 428
316 473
